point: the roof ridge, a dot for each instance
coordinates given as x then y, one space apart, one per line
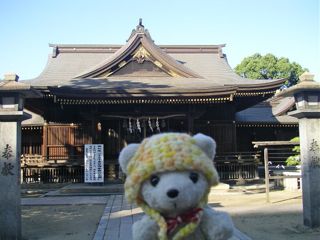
139 47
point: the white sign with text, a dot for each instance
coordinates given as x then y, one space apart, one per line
93 163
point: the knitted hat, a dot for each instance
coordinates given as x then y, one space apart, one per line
167 152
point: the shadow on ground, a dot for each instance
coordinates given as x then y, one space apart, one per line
72 222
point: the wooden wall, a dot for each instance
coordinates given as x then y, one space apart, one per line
222 132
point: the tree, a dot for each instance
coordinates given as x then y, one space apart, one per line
270 67
294 160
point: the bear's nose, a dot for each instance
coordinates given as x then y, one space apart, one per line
172 193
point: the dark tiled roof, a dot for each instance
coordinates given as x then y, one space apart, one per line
270 111
198 67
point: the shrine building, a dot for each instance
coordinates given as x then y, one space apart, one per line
118 94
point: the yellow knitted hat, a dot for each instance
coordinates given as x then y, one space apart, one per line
166 152
162 153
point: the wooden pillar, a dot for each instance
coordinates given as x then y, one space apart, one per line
45 141
72 142
266 172
234 135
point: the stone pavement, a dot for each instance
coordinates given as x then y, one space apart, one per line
118 216
117 219
70 200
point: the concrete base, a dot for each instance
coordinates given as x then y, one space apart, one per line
290 184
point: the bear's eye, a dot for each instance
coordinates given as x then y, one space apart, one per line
154 179
194 177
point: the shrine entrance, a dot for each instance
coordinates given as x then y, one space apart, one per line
118 131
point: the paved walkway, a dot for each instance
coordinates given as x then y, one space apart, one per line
117 219
118 216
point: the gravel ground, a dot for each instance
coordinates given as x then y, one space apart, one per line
282 218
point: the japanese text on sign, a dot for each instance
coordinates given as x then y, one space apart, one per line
7 168
93 163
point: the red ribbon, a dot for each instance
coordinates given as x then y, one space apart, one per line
188 217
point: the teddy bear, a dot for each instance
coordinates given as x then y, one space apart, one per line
169 175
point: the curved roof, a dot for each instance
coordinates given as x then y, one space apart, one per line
140 66
273 110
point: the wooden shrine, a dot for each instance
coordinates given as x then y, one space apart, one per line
118 94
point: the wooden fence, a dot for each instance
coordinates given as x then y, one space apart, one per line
231 166
238 165
63 174
275 154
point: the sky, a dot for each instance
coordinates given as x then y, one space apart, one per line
285 28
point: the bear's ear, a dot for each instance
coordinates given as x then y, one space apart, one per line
126 154
206 143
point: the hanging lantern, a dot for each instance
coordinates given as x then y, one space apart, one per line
99 126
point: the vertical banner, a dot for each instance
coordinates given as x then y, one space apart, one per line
93 163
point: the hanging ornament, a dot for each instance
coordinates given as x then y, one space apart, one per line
157 125
138 125
130 126
150 125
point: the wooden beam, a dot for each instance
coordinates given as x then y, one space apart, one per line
266 173
275 143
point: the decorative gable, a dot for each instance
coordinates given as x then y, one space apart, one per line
139 57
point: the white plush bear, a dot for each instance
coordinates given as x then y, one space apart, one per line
169 176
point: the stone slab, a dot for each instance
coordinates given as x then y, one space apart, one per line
47 201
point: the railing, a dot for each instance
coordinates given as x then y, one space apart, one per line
31 149
231 166
57 174
278 151
238 165
63 174
275 154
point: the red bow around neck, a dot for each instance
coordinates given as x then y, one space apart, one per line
188 217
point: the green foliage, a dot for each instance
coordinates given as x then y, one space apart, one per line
295 159
269 67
